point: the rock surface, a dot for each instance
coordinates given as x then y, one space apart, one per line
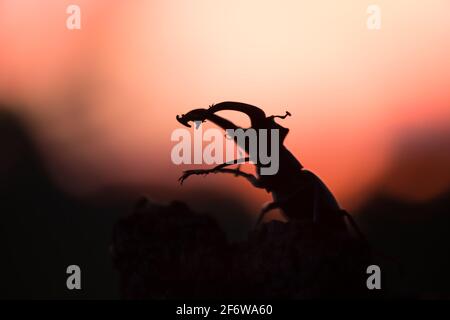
169 252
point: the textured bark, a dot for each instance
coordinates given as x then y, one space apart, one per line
165 252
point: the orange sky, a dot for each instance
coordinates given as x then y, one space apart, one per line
102 100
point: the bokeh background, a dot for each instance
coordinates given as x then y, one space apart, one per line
87 117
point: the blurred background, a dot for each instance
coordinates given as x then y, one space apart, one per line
86 117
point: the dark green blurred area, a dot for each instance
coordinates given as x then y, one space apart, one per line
417 235
43 231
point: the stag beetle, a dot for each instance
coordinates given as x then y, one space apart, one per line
299 193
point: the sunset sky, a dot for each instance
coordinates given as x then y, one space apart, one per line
101 101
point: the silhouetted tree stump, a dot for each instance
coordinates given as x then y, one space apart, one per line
170 252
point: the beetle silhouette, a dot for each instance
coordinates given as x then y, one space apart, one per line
299 193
